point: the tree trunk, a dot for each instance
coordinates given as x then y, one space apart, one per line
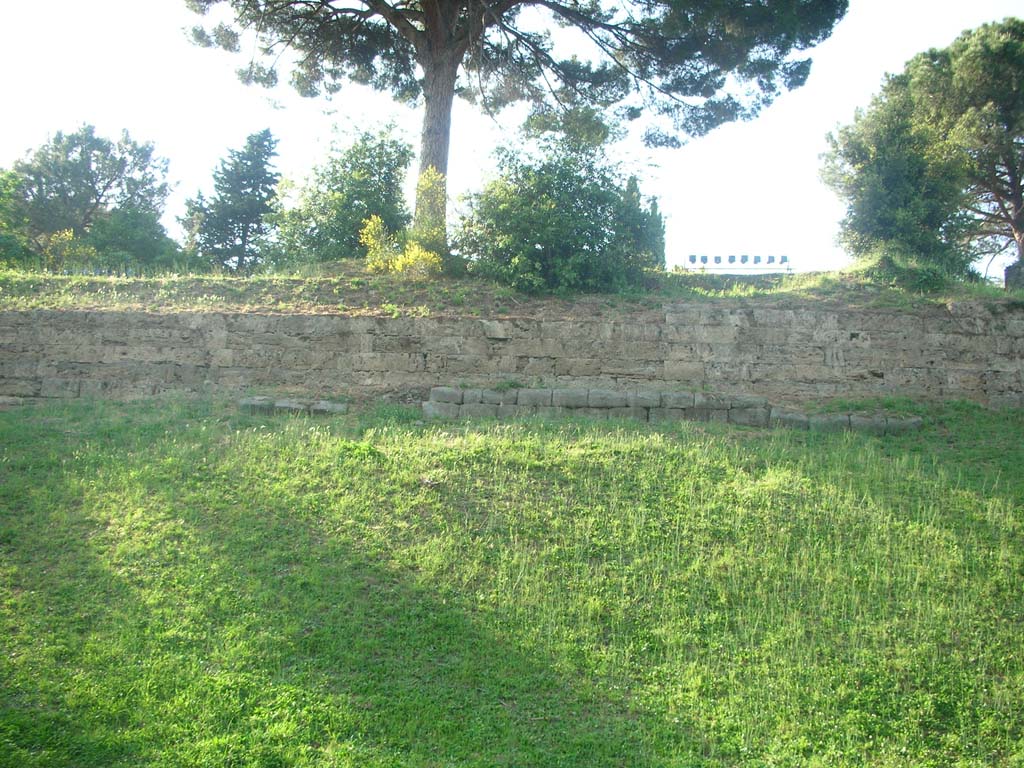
439 74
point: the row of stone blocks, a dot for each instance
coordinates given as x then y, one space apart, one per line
745 410
264 404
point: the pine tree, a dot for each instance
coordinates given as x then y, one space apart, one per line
231 228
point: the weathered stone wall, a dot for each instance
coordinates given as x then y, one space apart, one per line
785 353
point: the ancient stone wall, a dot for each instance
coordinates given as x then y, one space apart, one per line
787 353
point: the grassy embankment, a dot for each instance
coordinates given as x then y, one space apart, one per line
347 288
185 585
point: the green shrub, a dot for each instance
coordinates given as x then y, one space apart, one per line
893 265
417 262
381 246
362 181
385 252
566 222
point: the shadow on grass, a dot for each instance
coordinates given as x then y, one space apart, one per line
202 623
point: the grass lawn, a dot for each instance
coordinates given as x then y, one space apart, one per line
347 288
185 585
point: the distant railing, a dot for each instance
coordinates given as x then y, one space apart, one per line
743 263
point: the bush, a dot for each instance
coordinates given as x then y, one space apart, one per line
386 254
362 181
566 222
892 264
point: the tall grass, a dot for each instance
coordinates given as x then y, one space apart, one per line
183 585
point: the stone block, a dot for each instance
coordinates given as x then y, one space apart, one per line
534 397
748 401
749 417
676 400
10 402
446 395
711 402
289 405
433 409
478 411
784 417
828 422
499 396
900 425
471 396
570 398
606 398
600 414
872 425
643 399
684 370
578 367
257 404
494 329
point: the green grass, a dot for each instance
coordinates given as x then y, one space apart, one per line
346 288
184 585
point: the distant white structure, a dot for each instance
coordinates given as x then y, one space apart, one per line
742 263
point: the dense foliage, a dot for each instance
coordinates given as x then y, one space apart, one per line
563 222
85 202
231 230
933 170
688 65
361 181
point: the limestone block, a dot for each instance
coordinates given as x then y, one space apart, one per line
828 422
606 398
570 398
869 424
260 404
601 414
643 399
539 366
222 358
749 417
512 411
499 396
471 396
494 329
438 409
290 405
783 417
578 367
684 370
677 400
446 395
534 397
478 411
711 402
747 401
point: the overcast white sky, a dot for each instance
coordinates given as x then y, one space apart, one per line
747 188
